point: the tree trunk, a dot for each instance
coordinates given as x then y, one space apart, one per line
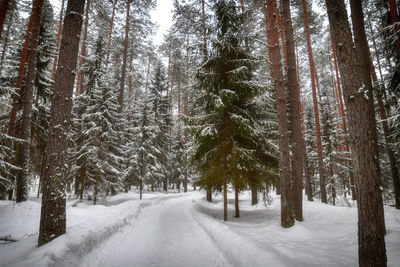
395 19
322 182
21 72
110 33
388 139
6 38
297 139
254 196
362 130
82 178
225 187
25 134
52 219
307 175
186 111
3 12
124 59
141 187
237 212
209 195
341 108
203 13
287 219
59 30
79 83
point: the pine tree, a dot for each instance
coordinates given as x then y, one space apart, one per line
362 130
53 220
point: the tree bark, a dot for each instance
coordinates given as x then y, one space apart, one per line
186 112
362 130
6 38
59 30
3 12
53 217
388 139
322 181
237 212
395 19
110 33
21 72
294 116
254 196
321 169
203 13
287 219
25 134
124 59
79 83
209 195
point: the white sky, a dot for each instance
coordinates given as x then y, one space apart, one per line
162 15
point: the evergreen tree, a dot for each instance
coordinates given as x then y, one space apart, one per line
228 145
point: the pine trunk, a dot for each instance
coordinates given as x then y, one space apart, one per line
209 195
110 33
203 13
388 139
186 112
395 19
3 12
341 109
225 187
59 30
254 196
124 59
362 129
21 72
6 38
27 99
287 219
322 181
52 219
297 139
79 83
237 212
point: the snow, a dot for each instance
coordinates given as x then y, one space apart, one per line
185 230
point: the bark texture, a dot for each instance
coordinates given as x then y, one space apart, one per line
24 147
362 130
52 219
297 139
314 79
3 12
124 60
287 219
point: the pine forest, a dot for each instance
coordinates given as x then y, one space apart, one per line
200 133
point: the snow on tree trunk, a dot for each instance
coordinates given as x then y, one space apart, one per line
362 130
25 134
53 216
297 139
321 168
287 219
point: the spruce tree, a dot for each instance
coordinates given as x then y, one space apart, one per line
228 145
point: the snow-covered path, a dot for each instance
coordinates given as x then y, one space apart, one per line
166 235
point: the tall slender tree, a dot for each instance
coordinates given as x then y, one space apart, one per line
27 100
287 219
362 129
316 108
297 139
53 216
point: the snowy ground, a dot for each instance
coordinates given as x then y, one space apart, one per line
185 230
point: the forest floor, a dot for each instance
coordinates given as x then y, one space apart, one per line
185 230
